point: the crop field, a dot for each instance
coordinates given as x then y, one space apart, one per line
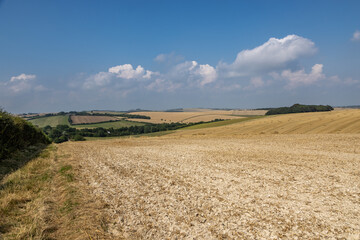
117 124
53 121
194 115
91 119
213 183
345 121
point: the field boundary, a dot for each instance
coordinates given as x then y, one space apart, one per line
222 123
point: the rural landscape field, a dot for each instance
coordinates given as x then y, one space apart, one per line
293 176
182 119
196 115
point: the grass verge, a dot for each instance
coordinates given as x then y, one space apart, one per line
23 206
42 199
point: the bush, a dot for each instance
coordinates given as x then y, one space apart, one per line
16 134
78 137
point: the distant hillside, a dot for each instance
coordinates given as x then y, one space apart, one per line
16 134
299 108
344 122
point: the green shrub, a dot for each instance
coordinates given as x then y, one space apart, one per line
78 137
16 134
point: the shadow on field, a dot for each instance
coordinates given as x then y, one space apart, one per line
19 159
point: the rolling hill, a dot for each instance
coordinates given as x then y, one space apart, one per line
341 121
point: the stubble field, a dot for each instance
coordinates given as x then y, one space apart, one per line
196 115
218 184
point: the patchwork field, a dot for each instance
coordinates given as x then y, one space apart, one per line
91 119
237 181
196 115
53 121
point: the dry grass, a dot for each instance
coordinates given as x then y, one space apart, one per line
92 119
41 201
22 200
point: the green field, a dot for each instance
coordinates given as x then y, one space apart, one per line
53 121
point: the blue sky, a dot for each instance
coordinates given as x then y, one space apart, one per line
82 55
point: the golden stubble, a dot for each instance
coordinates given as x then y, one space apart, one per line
289 186
196 116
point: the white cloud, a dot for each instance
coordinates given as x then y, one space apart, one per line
356 36
148 74
208 74
127 71
273 55
22 77
300 77
193 74
22 83
274 60
120 73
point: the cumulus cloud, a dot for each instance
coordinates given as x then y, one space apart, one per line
273 55
300 77
192 74
127 71
207 73
276 59
22 83
118 73
356 36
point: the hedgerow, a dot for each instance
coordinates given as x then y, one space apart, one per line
17 134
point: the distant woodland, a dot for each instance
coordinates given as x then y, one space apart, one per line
299 108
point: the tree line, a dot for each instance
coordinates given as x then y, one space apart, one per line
299 108
63 133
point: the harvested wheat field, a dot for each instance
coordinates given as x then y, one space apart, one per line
195 115
345 121
91 119
254 186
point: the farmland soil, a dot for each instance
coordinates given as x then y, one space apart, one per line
245 187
